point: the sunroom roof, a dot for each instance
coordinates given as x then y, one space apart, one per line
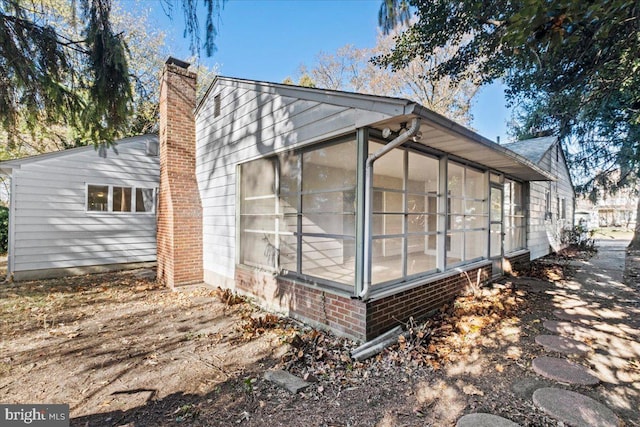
446 136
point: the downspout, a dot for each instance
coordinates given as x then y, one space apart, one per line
368 186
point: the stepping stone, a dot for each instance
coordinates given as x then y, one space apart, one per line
561 327
484 420
571 317
574 409
563 371
562 344
286 380
524 387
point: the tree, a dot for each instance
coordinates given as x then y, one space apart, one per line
305 80
78 75
570 68
350 68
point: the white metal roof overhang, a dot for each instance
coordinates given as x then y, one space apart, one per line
446 136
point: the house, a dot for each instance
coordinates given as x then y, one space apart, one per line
551 203
610 209
350 212
75 212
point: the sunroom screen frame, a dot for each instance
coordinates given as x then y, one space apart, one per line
362 262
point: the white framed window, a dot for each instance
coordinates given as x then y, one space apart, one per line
120 199
97 198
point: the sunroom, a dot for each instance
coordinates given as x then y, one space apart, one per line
385 209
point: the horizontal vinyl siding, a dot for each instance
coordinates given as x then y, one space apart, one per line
545 233
52 228
251 124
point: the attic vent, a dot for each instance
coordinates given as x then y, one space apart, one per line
216 105
151 148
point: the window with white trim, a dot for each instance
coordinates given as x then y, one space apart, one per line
113 198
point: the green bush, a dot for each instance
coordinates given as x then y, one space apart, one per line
4 229
580 237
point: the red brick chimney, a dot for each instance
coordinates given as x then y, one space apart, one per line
179 207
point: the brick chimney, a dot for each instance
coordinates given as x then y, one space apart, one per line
179 207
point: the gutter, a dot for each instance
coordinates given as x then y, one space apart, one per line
368 187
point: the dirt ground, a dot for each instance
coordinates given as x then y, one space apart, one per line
123 352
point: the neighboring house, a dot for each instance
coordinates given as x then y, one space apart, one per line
610 210
350 212
73 212
551 203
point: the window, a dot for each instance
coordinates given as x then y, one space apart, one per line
468 217
563 210
405 211
107 198
144 199
514 218
297 213
216 105
98 198
121 199
547 205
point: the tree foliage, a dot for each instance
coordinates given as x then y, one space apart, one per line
350 68
571 69
66 64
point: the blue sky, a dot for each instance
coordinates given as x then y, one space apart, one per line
269 39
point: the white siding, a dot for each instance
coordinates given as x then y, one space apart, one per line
545 229
51 227
254 121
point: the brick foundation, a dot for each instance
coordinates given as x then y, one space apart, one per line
517 262
351 317
179 208
419 302
317 307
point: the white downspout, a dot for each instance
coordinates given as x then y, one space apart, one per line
368 185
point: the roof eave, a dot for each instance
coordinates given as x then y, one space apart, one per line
532 171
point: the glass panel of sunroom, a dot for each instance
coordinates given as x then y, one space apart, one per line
258 245
328 212
455 246
423 173
475 245
475 184
386 263
388 170
420 256
455 179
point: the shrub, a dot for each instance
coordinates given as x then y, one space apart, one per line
4 229
580 237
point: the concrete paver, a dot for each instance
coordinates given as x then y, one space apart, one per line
563 371
484 420
573 408
286 380
562 344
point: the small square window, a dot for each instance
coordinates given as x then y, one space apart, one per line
98 198
121 199
144 200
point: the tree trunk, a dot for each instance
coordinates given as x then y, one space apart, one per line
635 242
